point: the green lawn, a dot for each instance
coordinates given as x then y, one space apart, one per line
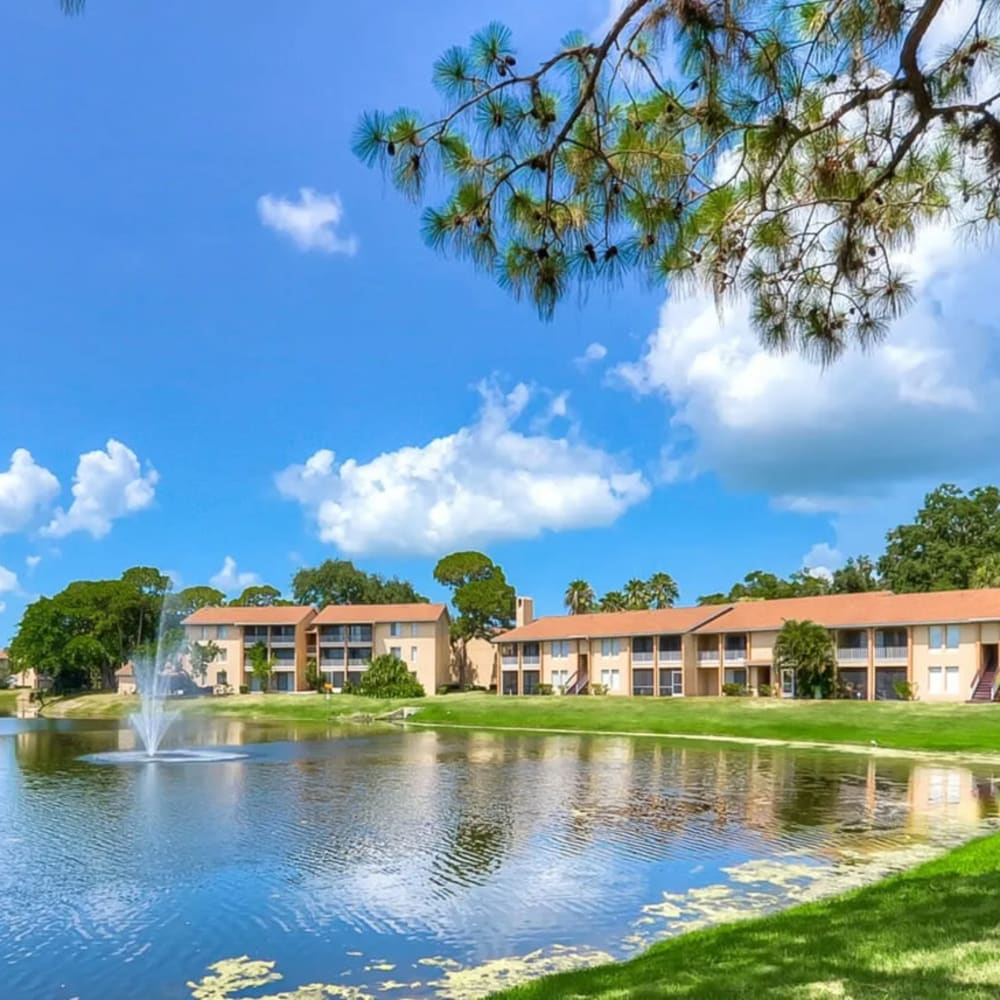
905 725
911 726
930 934
8 697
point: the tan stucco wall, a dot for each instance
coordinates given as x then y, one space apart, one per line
427 640
966 658
480 655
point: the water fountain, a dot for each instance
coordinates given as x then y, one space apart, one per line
156 676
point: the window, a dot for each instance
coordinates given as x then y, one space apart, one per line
951 680
413 654
936 637
670 648
223 655
335 678
612 679
951 638
396 651
610 647
531 651
787 683
359 633
331 633
531 678
358 655
642 682
284 682
561 648
414 630
935 680
395 629
223 631
222 677
560 679
671 682
736 675
508 682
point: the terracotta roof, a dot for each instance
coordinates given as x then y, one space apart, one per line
125 671
365 614
613 623
288 615
850 610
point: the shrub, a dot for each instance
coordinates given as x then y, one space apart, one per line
388 677
735 690
314 676
244 689
765 690
544 689
905 690
598 689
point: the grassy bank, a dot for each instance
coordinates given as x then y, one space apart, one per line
897 725
8 697
910 726
930 934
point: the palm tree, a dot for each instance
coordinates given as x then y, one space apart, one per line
662 590
637 595
614 600
807 648
579 597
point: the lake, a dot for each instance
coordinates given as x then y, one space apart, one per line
417 863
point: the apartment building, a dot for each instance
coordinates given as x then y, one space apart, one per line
283 630
348 636
945 643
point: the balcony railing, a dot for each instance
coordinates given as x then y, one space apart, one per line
735 655
356 662
252 640
508 661
335 664
853 654
531 660
708 656
670 656
643 656
283 642
891 652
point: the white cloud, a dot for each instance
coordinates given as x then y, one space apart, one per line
593 353
559 407
32 561
108 485
821 560
919 408
310 223
8 580
230 580
483 483
26 489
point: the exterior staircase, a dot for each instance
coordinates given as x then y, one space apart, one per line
986 687
578 685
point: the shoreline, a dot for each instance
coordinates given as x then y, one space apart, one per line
972 757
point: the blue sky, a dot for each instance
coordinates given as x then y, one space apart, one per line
227 345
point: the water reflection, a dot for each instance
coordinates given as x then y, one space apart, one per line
344 855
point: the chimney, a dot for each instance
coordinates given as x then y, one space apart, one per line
525 611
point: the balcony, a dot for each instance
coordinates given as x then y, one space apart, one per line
891 654
670 656
509 661
709 656
735 655
356 661
282 641
646 656
531 660
853 654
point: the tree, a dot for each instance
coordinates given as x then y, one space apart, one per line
482 598
315 678
761 586
190 599
858 575
951 536
145 589
259 597
202 655
987 573
637 595
338 581
663 590
807 648
261 665
792 150
388 677
613 600
580 598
